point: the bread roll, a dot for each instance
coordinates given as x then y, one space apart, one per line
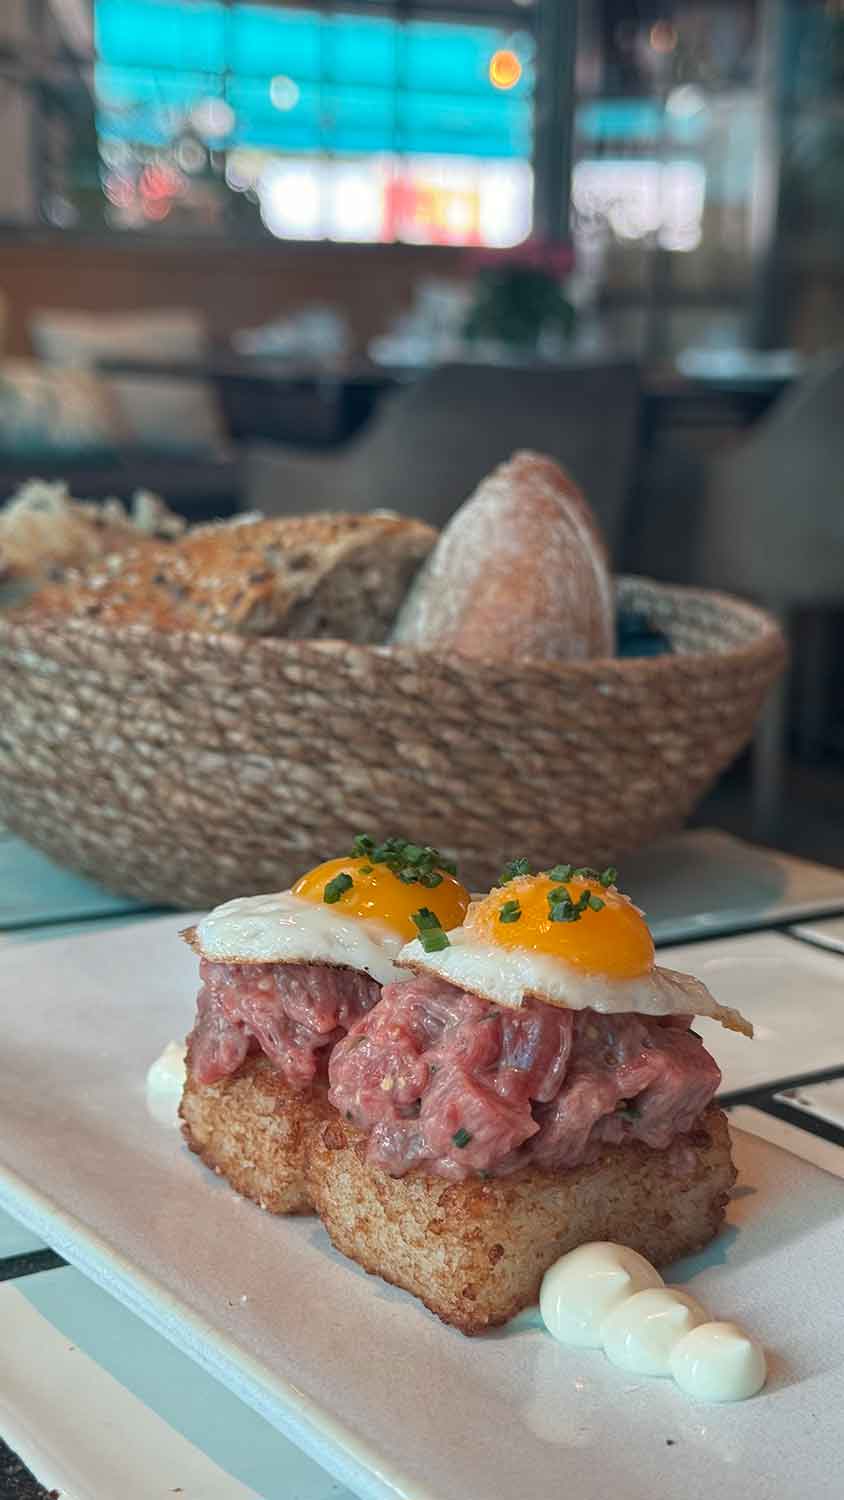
314 576
520 571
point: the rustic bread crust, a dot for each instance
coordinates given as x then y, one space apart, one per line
475 1251
251 1129
520 572
341 576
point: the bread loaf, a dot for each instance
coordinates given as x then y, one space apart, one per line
340 576
520 571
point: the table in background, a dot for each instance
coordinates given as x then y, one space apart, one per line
292 401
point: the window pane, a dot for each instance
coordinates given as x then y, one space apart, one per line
264 42
162 33
314 123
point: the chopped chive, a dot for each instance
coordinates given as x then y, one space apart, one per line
559 893
425 919
585 872
337 887
408 862
431 934
461 1137
596 904
514 868
564 912
609 876
434 942
510 912
561 872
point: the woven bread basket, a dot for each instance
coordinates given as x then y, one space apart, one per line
187 769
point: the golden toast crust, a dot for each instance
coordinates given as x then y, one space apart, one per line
475 1251
251 1129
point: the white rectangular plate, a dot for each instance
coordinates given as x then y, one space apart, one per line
823 1101
356 1372
793 994
790 1137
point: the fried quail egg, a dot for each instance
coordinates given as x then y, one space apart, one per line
570 939
355 911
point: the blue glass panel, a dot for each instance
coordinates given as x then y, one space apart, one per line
161 33
137 104
620 120
361 50
422 87
455 59
265 42
359 119
430 123
258 123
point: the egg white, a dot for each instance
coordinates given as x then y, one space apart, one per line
283 928
508 976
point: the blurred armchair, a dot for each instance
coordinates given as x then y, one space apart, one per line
430 443
771 525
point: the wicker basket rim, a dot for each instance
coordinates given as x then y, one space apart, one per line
768 640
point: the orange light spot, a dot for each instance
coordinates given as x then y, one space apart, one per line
382 897
614 941
505 70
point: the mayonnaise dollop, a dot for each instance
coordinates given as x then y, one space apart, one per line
581 1288
719 1362
607 1294
164 1084
640 1333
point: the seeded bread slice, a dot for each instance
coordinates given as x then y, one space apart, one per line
319 576
43 532
475 1252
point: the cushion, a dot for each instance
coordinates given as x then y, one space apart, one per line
45 411
162 413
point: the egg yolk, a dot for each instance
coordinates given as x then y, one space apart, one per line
613 941
378 894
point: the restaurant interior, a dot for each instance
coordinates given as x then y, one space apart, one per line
249 252
419 418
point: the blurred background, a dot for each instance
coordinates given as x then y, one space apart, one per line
351 254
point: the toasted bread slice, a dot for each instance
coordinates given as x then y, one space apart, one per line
251 1129
475 1251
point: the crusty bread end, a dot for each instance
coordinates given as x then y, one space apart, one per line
251 1128
475 1251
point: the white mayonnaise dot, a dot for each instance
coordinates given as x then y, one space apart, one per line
640 1333
719 1362
165 1081
581 1288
